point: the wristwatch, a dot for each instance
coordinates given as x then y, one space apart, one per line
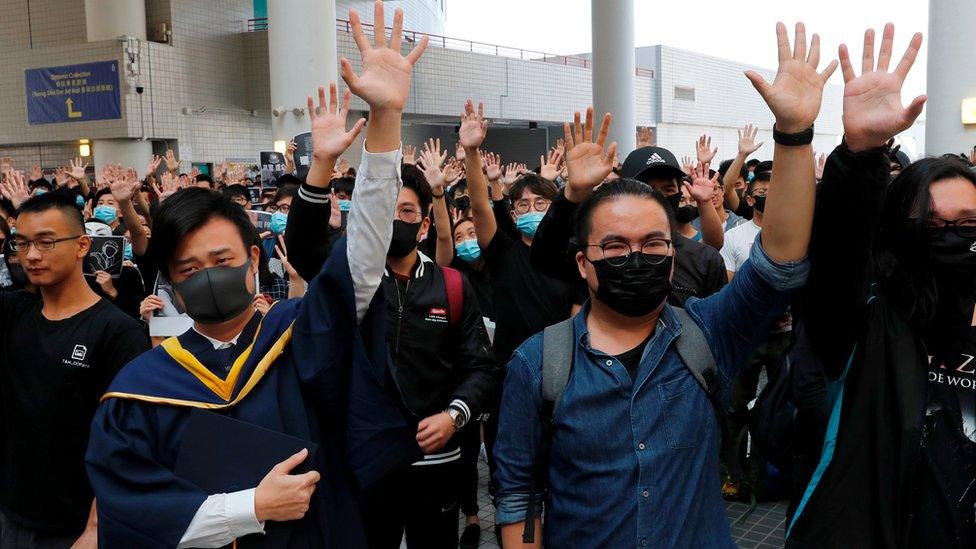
458 416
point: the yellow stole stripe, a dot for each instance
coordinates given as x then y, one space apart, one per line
214 383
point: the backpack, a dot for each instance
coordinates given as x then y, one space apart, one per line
455 294
558 348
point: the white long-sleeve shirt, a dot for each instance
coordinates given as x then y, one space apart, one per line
222 518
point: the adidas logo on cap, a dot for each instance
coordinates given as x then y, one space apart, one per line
655 159
973 248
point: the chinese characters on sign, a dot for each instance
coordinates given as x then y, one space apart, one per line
74 93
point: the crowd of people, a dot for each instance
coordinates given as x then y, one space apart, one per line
599 329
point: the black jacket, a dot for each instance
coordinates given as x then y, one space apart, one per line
698 269
866 492
432 362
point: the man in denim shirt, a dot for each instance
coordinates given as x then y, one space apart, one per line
634 447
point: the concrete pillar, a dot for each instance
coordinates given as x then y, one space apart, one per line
302 56
951 76
110 19
127 152
613 69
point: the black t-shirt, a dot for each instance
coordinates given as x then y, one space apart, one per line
525 300
52 375
947 472
631 359
698 271
481 284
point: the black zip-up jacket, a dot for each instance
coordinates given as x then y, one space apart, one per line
432 363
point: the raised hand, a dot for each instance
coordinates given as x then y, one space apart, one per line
431 159
335 212
473 129
385 81
701 187
14 188
194 172
493 166
703 147
282 252
587 163
796 94
819 168
329 136
550 165
290 149
36 172
511 174
170 184
172 164
62 178
873 112
6 164
77 169
645 137
687 165
409 154
125 186
154 163
747 140
459 152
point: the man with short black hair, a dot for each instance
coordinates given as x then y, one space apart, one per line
57 355
238 194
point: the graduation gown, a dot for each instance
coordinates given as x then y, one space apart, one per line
310 372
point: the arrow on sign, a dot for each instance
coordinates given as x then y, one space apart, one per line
71 112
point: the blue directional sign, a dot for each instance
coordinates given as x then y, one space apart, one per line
74 93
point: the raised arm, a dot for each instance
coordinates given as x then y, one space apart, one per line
384 85
794 97
124 186
701 189
431 159
471 135
77 172
854 180
747 146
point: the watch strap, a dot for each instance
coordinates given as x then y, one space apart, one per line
793 139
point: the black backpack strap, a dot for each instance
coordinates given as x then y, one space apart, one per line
695 352
558 346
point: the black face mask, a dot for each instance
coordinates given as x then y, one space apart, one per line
686 214
760 205
635 288
217 294
404 238
463 203
673 202
953 263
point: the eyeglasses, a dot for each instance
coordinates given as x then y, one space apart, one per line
939 226
44 244
617 252
539 205
409 215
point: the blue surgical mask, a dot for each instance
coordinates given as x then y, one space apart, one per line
345 205
468 251
279 221
106 214
751 176
39 192
80 201
127 252
528 223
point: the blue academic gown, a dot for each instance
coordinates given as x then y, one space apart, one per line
310 373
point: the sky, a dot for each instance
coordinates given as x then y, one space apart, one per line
731 29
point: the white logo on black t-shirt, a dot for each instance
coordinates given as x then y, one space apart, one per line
79 352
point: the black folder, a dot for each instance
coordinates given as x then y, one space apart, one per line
221 455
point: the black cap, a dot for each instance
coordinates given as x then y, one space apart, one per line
764 166
649 163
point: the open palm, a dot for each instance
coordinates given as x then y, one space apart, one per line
474 127
385 81
587 163
873 112
796 94
329 136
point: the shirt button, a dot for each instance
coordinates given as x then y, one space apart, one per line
641 446
645 493
643 542
609 363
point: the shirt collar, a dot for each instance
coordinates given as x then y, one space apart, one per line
218 345
667 321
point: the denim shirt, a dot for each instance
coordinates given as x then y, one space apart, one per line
635 462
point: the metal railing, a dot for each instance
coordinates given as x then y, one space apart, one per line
446 42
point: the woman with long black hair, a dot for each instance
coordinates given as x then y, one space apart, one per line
889 310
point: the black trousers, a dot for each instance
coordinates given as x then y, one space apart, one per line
421 500
470 451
